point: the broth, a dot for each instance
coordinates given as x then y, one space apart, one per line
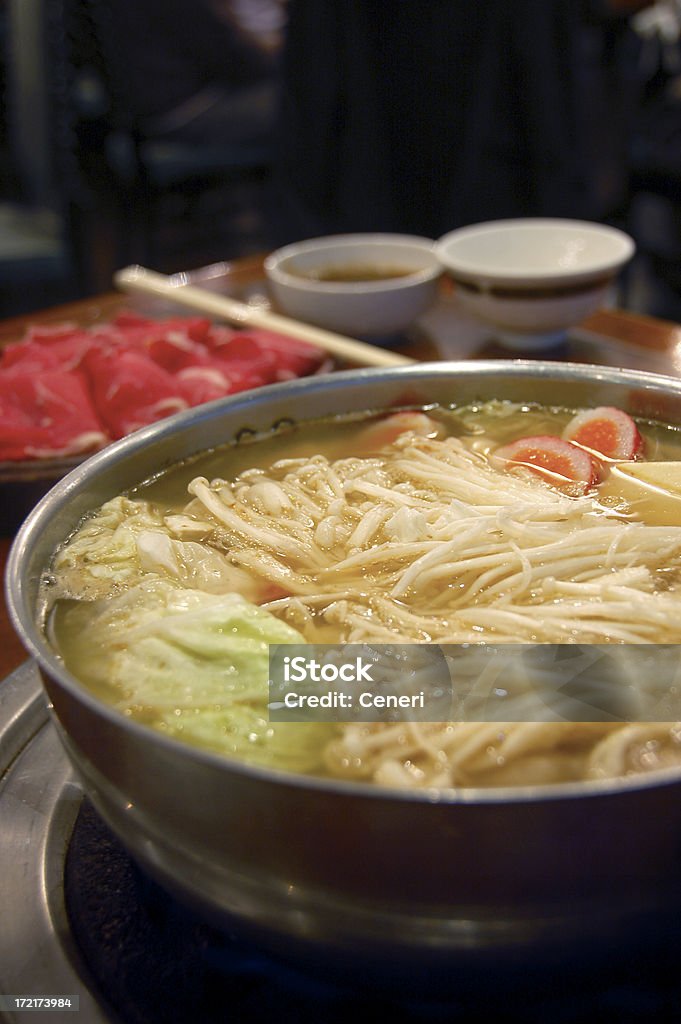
355 272
366 530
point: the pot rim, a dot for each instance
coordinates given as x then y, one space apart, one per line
22 615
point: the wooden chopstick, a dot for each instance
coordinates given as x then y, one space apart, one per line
149 282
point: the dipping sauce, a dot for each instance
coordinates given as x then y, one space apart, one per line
347 272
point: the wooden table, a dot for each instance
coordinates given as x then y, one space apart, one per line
610 337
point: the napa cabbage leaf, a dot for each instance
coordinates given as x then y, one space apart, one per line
102 557
128 540
192 664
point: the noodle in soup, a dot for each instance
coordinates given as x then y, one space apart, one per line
372 530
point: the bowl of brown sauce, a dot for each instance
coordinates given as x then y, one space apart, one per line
359 284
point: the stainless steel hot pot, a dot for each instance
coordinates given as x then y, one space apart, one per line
312 866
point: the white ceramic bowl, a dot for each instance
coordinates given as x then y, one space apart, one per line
532 279
381 306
